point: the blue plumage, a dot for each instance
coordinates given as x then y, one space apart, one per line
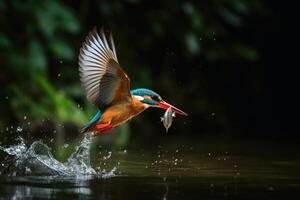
94 119
143 92
146 92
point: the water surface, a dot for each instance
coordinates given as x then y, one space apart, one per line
177 172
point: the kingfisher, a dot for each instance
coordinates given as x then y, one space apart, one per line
107 86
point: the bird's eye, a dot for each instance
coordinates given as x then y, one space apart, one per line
155 98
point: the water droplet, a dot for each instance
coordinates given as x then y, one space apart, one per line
19 129
27 170
108 156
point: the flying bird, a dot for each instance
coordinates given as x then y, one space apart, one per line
107 86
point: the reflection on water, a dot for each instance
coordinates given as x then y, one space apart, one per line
125 187
39 187
162 173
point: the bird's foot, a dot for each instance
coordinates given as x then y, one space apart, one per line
102 128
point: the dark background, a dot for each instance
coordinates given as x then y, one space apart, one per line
229 64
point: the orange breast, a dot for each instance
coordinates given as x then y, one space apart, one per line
118 114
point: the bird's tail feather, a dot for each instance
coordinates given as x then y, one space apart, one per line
86 127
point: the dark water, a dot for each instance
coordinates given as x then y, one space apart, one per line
130 187
177 172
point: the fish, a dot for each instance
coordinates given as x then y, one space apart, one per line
167 119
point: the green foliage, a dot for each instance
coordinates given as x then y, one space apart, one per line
164 46
30 39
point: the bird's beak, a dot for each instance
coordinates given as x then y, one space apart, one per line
164 105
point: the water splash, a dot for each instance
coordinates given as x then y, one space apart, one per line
79 161
16 150
38 160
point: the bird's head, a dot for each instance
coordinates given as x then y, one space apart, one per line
151 99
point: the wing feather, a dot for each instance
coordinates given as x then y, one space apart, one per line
102 78
112 44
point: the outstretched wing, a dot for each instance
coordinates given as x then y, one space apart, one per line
102 78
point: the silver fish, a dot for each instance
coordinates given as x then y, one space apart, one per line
167 119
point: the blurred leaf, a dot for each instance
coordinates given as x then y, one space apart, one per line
192 43
230 17
195 15
51 15
62 50
63 108
45 19
188 8
216 53
17 60
36 57
246 52
240 6
67 21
